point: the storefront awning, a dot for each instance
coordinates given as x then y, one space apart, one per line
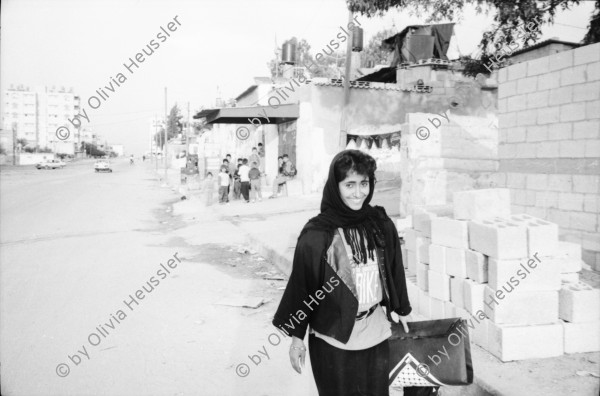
244 115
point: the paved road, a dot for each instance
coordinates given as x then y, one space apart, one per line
74 245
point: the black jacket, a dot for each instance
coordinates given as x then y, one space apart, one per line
319 293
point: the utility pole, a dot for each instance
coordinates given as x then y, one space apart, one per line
156 145
166 127
151 137
187 134
14 133
343 121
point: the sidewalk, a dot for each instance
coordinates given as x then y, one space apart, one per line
272 226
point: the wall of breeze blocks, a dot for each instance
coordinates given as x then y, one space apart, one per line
549 142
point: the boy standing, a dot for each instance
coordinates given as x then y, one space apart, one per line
254 176
244 170
237 185
223 185
209 189
254 157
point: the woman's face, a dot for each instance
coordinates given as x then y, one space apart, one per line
280 160
354 189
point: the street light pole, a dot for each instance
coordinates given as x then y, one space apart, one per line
187 134
343 120
14 134
156 143
166 136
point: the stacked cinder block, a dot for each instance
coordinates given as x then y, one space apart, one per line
507 275
580 313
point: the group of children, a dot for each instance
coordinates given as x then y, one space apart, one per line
245 178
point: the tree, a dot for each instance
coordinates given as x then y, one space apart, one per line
92 151
593 34
174 122
327 67
374 51
510 17
22 142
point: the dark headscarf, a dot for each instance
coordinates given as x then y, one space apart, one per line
361 228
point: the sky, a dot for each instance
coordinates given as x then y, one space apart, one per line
218 48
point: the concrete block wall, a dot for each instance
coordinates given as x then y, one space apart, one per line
549 142
460 154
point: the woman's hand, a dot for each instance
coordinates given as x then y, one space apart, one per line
401 319
297 354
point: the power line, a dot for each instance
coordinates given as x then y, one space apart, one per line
572 26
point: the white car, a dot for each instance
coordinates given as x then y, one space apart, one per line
102 166
50 164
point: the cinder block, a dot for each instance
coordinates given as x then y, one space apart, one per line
473 296
413 292
423 276
437 258
462 313
579 302
587 184
565 264
542 235
477 266
479 331
521 307
449 310
439 286
437 308
523 275
586 54
449 232
456 264
410 239
422 223
412 261
498 238
570 249
510 343
457 292
424 250
582 337
404 223
480 204
422 244
424 304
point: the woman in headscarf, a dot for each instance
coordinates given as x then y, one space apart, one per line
347 267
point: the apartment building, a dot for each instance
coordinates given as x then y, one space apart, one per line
37 113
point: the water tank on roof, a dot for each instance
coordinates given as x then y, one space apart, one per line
288 54
357 39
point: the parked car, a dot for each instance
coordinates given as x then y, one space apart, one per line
50 164
102 166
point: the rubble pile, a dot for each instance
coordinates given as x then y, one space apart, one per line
507 274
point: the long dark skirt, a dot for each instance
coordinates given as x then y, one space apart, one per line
349 373
365 372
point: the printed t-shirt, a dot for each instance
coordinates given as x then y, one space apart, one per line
376 328
223 179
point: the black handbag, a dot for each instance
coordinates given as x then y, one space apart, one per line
433 353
